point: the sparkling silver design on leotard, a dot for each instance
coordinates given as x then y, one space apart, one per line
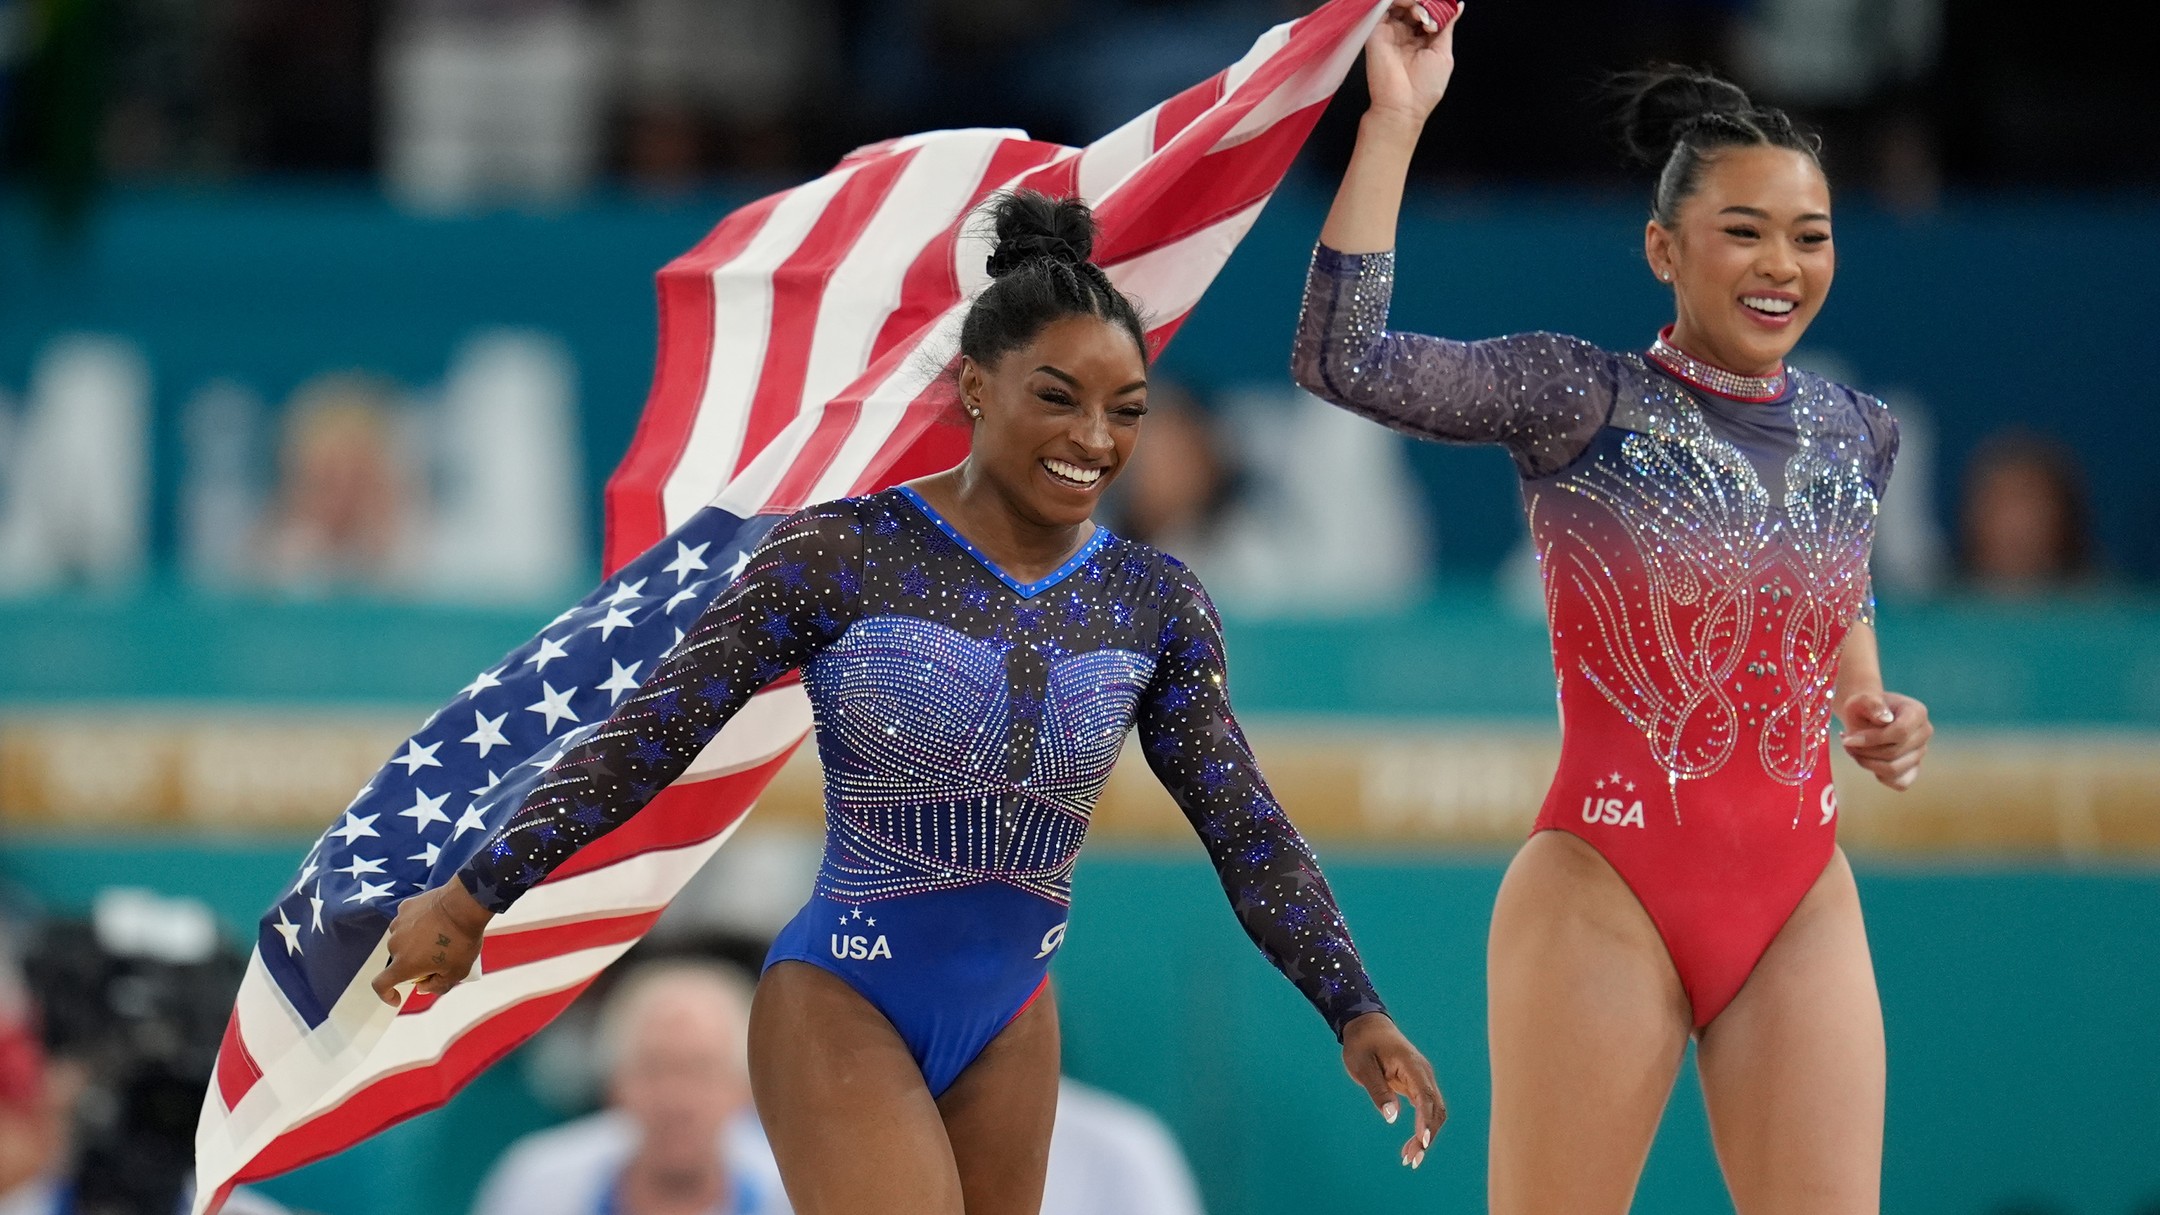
913 726
1700 524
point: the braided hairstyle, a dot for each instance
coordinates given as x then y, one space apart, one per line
1040 273
1681 119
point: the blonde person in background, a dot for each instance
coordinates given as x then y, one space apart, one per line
678 1136
1109 1156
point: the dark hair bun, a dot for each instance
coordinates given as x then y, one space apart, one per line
1660 103
1031 226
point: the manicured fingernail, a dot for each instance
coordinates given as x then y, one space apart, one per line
1426 1141
1417 1160
1389 1111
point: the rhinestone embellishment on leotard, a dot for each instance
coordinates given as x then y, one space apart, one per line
1734 586
1712 378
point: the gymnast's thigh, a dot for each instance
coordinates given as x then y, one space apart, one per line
998 1114
851 1121
1587 1024
1793 1069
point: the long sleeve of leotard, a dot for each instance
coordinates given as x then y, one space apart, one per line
797 594
1543 396
1193 743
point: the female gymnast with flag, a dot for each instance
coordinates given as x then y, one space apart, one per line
1702 514
976 648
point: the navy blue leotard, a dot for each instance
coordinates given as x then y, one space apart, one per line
966 722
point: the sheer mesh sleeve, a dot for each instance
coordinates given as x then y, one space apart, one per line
1543 396
1194 745
797 595
1882 433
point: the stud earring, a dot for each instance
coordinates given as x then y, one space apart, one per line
1664 276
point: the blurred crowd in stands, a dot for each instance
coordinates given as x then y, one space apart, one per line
471 491
454 101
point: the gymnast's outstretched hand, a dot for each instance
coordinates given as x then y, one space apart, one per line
1383 1061
1408 60
435 939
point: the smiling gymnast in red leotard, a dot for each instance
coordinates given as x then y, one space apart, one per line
1703 516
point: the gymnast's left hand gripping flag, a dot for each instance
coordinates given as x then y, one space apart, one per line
801 344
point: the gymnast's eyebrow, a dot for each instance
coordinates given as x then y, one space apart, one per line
1759 213
1135 386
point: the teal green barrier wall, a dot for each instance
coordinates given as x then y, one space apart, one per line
2022 1006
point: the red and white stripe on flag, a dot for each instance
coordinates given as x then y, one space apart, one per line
800 345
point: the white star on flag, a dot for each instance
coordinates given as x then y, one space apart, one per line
550 650
428 857
289 930
369 892
492 781
687 561
425 810
481 683
307 870
742 562
625 592
622 679
487 732
683 596
471 820
355 826
315 908
417 757
553 705
360 865
616 618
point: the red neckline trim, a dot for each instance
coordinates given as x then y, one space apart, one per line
1713 379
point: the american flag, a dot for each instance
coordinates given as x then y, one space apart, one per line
800 349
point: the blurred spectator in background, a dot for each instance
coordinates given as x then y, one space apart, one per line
346 513
1279 503
74 469
679 1134
1109 1156
2023 524
30 1134
1177 489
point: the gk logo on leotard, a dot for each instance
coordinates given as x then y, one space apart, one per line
1612 811
1829 804
1051 940
861 949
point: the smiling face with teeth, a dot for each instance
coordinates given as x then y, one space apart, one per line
1055 421
1749 257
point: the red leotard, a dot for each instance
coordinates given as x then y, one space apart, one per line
1704 541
